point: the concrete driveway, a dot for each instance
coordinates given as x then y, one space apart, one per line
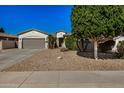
13 56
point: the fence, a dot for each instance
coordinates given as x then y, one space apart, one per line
7 44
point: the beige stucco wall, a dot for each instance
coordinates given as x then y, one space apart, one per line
0 45
6 44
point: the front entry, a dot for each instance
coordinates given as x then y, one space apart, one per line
61 40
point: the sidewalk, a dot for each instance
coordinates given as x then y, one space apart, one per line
62 79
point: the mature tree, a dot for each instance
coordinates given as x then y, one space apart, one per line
2 30
97 23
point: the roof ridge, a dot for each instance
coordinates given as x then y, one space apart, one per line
31 29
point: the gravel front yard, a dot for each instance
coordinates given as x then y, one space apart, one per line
47 60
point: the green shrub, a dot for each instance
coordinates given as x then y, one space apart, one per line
120 53
70 43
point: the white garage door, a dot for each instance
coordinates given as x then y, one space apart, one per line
33 43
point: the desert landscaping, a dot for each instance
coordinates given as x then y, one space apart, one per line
61 46
54 60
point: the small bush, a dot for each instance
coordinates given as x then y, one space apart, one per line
120 53
70 43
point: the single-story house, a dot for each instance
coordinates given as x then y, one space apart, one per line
32 39
8 41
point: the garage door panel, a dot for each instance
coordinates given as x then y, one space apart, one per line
33 43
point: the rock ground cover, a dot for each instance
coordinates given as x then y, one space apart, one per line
54 60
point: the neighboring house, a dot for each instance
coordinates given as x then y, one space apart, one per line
32 39
60 38
57 39
8 41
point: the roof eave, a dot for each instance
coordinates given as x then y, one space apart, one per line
32 30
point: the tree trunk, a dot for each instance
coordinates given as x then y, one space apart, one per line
82 44
78 45
95 50
85 45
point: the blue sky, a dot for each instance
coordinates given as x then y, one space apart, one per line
50 19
